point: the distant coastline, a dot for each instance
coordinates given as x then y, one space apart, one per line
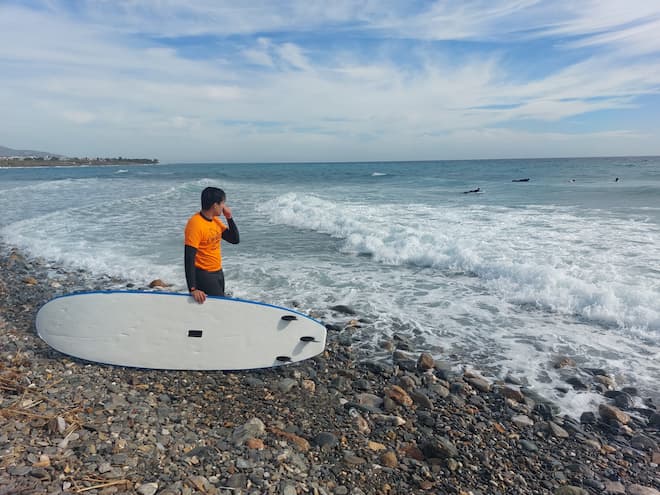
73 162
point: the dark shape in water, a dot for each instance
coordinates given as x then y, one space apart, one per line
521 180
478 189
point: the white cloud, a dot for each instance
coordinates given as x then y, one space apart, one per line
638 39
140 91
260 54
293 55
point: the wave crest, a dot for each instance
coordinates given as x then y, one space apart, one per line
546 257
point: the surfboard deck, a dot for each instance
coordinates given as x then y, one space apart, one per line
166 330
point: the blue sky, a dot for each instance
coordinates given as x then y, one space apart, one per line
186 80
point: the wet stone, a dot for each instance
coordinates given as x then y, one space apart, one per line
588 417
632 391
564 362
654 420
425 362
404 361
513 393
544 410
577 383
612 413
443 370
481 384
342 308
624 401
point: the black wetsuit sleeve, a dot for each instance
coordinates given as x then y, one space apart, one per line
231 234
189 264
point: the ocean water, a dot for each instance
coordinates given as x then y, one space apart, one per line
503 280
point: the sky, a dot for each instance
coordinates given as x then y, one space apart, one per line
346 80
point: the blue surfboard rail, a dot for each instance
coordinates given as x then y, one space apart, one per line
182 294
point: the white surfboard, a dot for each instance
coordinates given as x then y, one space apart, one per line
162 330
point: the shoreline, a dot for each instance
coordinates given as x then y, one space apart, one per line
20 167
335 424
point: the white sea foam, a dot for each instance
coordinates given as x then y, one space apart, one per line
545 257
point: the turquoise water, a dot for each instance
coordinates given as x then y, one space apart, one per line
504 279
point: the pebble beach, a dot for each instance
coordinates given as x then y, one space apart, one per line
341 423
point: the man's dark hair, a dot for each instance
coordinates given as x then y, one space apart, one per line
212 195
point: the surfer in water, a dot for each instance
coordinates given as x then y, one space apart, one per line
478 189
203 235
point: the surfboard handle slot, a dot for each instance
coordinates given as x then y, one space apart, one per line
289 318
194 333
308 338
283 359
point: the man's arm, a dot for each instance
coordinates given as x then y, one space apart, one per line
189 264
231 233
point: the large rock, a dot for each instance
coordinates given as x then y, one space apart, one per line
513 393
370 401
398 395
425 362
481 384
557 430
612 413
522 421
624 401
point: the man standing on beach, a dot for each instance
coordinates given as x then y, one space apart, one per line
203 235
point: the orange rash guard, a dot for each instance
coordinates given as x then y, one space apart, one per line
205 236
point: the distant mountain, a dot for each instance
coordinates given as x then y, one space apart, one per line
4 151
